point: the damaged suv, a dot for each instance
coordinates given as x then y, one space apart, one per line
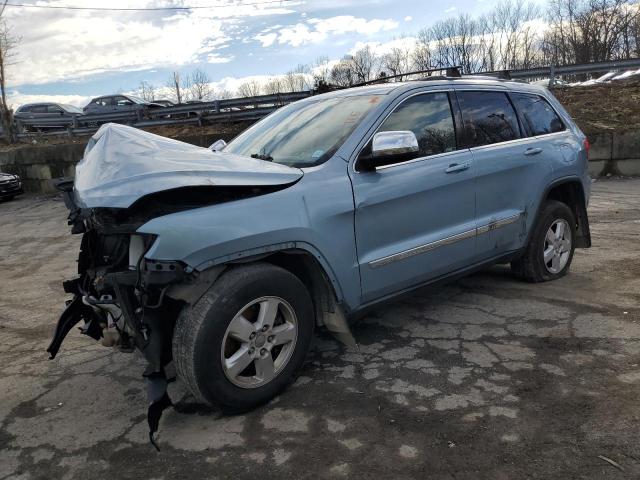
223 261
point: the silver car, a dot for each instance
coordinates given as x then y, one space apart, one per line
39 116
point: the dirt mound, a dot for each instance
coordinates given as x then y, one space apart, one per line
598 108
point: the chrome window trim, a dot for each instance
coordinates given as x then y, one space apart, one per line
395 257
369 137
420 159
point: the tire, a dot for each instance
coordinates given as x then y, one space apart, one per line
205 344
531 266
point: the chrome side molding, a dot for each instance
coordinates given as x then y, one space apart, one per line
380 262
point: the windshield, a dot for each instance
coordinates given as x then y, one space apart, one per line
304 134
136 99
70 108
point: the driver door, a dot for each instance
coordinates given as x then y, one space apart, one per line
415 220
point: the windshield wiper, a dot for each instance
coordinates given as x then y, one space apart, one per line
262 156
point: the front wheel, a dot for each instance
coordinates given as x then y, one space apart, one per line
246 339
551 246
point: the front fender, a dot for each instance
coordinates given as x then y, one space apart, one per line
315 215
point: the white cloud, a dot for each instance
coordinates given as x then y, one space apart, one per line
316 30
57 45
408 18
450 9
16 99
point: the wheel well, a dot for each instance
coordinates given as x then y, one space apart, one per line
571 194
304 266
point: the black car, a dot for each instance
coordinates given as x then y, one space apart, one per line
119 103
10 186
41 116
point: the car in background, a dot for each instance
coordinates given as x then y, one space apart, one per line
164 103
41 116
10 186
119 103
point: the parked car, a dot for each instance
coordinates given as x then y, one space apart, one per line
225 262
43 116
10 186
118 103
164 103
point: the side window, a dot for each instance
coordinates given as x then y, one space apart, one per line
54 109
39 109
429 117
488 117
539 118
123 101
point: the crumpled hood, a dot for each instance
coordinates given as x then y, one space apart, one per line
122 164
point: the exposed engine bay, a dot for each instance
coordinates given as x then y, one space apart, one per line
120 297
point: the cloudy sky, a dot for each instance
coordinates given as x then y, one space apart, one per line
72 55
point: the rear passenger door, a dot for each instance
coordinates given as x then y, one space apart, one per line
511 169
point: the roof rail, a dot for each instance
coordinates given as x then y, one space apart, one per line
450 72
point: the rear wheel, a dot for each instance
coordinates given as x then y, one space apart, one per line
246 339
551 246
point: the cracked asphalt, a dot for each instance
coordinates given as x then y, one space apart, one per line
485 378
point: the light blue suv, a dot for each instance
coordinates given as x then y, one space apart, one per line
223 261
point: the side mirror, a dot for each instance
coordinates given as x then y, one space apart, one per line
390 147
217 145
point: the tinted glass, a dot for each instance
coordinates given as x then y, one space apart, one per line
429 117
39 109
539 118
54 109
488 117
123 101
304 133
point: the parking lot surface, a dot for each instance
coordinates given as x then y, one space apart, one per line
485 378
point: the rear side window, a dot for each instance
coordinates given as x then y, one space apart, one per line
488 118
538 116
38 109
429 117
54 109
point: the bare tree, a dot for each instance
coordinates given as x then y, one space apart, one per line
343 73
321 71
176 85
146 91
364 64
249 89
421 54
8 44
274 86
224 94
199 86
396 61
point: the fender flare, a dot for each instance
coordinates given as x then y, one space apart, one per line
256 253
583 233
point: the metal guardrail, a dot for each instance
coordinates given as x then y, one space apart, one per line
552 71
255 108
233 109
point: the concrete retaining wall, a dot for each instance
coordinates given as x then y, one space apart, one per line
615 153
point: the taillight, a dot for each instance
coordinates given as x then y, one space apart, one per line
587 146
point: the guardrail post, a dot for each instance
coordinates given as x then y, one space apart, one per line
552 78
19 126
217 106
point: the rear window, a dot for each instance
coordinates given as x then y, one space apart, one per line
538 116
488 118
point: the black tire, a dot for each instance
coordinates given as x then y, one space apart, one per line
531 266
200 331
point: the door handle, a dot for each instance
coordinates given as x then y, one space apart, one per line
532 151
457 167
